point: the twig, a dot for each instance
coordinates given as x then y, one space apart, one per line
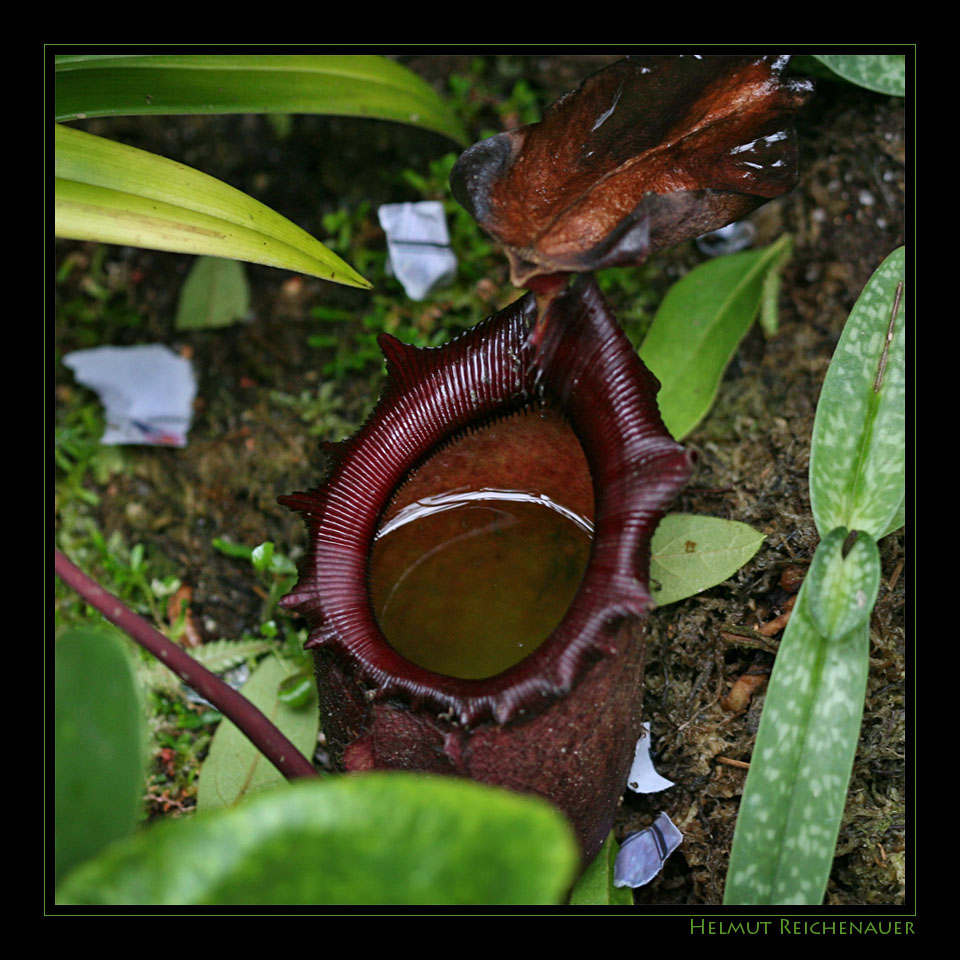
774 626
895 576
882 365
745 637
733 763
249 720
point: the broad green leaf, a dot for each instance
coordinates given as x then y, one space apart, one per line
842 589
234 768
797 784
342 84
883 73
368 839
595 888
858 451
215 294
99 746
113 193
697 329
691 553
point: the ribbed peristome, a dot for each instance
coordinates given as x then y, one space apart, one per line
584 367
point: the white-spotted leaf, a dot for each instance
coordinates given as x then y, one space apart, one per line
858 452
691 553
899 519
795 791
881 72
843 581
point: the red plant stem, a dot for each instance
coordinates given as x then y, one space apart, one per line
249 720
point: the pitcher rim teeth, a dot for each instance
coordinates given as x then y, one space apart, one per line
432 395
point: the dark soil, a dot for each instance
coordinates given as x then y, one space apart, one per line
246 447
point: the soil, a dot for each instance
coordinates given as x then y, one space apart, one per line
246 447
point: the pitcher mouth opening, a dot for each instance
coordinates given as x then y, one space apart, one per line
482 549
585 369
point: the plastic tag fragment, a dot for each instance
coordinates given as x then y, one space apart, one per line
642 855
732 238
643 778
147 392
418 245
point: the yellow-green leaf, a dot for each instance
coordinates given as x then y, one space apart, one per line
113 193
690 554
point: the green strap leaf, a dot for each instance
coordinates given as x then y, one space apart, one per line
113 193
378 838
844 579
883 73
690 553
99 741
234 768
697 329
595 888
797 784
346 85
858 451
